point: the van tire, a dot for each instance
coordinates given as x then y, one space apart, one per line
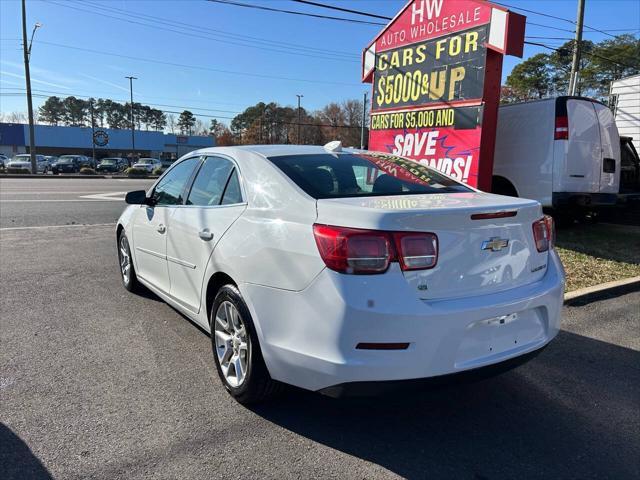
502 186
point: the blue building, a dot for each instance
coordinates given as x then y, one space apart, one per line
58 140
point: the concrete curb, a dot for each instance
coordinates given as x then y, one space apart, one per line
123 177
603 288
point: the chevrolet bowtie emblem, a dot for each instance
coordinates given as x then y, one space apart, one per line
495 244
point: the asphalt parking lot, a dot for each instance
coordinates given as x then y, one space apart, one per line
99 383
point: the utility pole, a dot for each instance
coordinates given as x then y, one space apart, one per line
27 75
299 118
575 64
93 132
133 136
364 120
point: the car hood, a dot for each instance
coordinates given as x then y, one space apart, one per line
19 163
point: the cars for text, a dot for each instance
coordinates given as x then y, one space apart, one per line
332 270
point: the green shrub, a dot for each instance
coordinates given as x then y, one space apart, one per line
158 171
135 172
87 171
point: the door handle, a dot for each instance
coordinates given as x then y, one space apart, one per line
205 234
161 228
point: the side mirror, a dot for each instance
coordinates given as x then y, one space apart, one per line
137 197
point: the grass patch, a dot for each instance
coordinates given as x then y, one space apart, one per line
593 254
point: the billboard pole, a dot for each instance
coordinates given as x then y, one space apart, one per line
364 117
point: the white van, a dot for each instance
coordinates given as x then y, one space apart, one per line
563 152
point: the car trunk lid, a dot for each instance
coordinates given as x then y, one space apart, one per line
485 241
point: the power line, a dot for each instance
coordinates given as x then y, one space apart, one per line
339 57
304 124
172 22
604 32
293 12
585 53
341 9
123 101
198 67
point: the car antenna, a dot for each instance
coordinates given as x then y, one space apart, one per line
335 146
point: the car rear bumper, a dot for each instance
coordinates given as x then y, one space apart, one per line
309 338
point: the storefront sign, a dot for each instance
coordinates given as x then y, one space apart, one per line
100 138
435 71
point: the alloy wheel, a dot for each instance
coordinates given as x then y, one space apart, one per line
232 344
125 260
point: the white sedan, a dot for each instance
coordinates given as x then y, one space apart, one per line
335 270
148 164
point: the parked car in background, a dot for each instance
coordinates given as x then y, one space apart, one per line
148 164
3 161
325 268
112 165
91 162
22 164
52 159
563 152
67 164
78 160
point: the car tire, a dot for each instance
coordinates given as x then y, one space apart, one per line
234 341
127 270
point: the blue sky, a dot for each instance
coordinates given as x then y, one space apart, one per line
234 71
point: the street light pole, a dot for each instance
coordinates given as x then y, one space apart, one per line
133 136
299 118
26 49
93 132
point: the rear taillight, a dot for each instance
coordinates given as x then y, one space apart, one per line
562 128
351 250
416 251
359 251
544 233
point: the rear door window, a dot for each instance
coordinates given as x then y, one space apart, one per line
209 185
358 175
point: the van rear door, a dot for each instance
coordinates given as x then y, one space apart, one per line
583 162
610 148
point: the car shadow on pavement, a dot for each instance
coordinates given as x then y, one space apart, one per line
17 461
572 412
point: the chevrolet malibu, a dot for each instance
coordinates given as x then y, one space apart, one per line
335 269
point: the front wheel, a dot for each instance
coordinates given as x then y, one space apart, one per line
236 350
127 271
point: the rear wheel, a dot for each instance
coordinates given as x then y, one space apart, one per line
236 350
127 271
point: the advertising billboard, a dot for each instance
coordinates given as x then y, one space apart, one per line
435 70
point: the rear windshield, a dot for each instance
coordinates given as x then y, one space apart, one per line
363 175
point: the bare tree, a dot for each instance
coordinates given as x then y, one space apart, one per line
16 117
171 123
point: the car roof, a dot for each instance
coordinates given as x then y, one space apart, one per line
270 150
